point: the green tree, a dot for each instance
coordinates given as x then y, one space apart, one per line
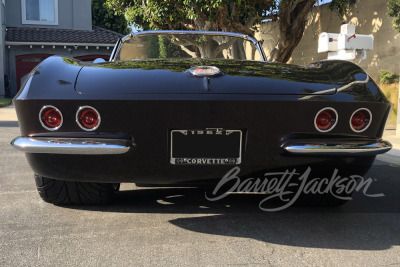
341 7
107 18
394 12
222 15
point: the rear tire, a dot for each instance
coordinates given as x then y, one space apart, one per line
61 192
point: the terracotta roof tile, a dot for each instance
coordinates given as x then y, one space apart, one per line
98 35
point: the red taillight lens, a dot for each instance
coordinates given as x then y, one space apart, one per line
50 118
325 120
88 118
360 120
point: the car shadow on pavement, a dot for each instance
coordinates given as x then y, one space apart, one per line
362 224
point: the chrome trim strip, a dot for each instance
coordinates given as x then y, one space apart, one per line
213 33
337 90
352 83
261 50
330 148
232 34
116 46
77 146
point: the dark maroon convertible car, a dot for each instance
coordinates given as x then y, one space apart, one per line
184 108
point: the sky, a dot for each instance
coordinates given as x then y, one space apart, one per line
324 2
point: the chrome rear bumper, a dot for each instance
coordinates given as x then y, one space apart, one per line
77 146
336 147
92 146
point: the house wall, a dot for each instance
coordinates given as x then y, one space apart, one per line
369 16
82 14
15 51
72 14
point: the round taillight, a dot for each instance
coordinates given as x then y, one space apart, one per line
326 119
88 118
51 118
360 120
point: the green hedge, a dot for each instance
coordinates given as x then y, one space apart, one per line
5 102
387 77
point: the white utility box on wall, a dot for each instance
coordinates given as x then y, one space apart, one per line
328 42
347 45
351 42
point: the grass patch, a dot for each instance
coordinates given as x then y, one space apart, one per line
392 93
5 102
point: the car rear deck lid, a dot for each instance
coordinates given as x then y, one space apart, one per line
173 77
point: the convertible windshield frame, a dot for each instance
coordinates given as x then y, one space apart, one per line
257 44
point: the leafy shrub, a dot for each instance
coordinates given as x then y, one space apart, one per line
391 91
387 77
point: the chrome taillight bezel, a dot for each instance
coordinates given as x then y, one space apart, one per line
332 126
82 126
43 124
366 127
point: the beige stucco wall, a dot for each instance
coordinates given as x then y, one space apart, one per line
369 16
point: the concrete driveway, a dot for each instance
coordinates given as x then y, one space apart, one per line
177 226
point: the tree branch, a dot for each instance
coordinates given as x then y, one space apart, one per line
199 12
234 11
304 11
160 26
224 46
190 53
250 22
